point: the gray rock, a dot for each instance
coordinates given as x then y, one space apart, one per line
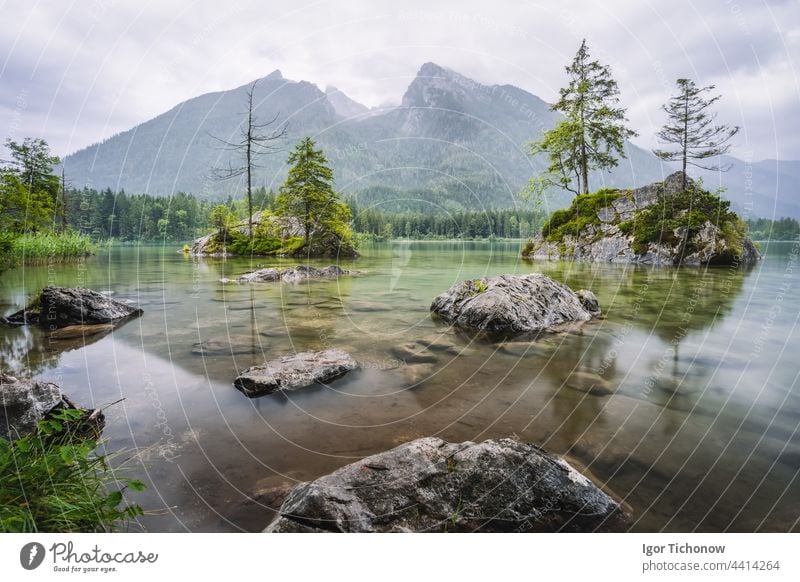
589 301
511 304
429 485
295 371
23 403
607 214
291 274
59 307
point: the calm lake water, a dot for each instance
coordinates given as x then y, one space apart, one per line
683 399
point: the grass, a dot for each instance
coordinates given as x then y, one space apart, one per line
45 247
55 481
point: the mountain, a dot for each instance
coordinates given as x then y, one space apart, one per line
452 143
343 105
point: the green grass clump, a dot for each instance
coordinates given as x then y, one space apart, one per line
55 480
690 210
43 247
581 213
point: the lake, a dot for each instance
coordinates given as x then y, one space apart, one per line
682 399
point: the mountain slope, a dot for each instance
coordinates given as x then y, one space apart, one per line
452 143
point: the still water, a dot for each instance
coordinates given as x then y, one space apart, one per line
683 399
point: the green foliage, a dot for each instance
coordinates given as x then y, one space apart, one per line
104 215
51 247
240 244
479 286
593 132
766 229
461 224
221 217
29 192
55 480
581 213
308 195
689 210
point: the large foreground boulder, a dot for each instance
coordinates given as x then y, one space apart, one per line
23 403
429 485
295 371
514 304
58 307
291 274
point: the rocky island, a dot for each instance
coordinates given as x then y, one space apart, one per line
659 224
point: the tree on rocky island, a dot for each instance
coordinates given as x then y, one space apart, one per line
691 128
254 139
592 134
308 196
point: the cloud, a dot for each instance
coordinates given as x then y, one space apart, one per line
90 71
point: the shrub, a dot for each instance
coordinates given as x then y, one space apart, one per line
55 481
689 210
581 213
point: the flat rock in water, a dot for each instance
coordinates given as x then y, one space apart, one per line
290 274
514 304
590 383
238 346
59 307
295 371
429 485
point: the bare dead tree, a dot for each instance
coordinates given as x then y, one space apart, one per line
255 138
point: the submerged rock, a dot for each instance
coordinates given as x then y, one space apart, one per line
429 485
514 304
290 274
59 307
26 402
80 331
295 371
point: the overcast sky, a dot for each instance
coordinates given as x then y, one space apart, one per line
78 72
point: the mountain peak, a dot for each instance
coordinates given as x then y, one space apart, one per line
274 76
342 104
433 70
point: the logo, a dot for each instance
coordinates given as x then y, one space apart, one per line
31 555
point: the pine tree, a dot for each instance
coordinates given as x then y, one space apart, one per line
592 134
308 195
691 127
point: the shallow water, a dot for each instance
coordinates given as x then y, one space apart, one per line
683 399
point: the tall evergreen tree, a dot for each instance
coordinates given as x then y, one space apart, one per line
308 195
693 130
593 132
